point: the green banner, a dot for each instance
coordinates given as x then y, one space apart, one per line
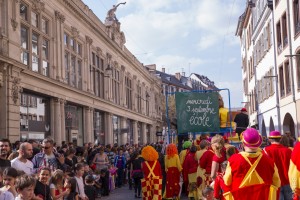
197 112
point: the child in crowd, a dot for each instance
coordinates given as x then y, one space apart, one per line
89 187
104 182
57 191
25 185
9 176
112 176
208 193
42 189
79 171
70 187
219 185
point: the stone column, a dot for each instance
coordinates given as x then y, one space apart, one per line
143 134
88 124
135 132
108 128
63 120
133 94
123 136
153 134
91 138
57 121
59 47
89 42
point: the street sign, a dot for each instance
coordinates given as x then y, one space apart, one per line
158 133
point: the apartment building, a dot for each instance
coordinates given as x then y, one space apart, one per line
66 74
273 29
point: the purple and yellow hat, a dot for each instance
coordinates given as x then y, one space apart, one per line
274 134
251 138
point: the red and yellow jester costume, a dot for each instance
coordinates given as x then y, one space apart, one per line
251 174
294 171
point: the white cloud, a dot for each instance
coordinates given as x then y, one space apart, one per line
207 41
195 35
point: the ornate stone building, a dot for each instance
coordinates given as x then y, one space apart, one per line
65 74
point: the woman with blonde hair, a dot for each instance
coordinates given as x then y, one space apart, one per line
173 169
152 181
217 144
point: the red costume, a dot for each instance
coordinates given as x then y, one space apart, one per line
294 171
220 187
205 163
281 155
251 173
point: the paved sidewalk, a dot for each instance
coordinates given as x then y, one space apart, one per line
124 193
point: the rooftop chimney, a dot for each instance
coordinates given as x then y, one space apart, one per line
177 75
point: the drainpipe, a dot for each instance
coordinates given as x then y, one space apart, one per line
276 73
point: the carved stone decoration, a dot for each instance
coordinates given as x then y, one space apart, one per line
99 51
59 16
14 24
1 79
75 32
15 90
38 5
89 40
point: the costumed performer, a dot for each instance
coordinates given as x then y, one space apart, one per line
173 169
251 171
294 171
182 156
152 181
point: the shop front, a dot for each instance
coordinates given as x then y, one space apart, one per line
34 117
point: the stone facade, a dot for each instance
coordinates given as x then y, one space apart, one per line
65 74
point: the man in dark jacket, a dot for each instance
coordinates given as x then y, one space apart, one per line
242 121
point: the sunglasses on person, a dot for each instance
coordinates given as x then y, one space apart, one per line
46 147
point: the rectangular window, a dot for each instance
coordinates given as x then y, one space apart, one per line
79 73
73 71
281 82
278 36
79 49
287 78
24 45
23 11
45 25
67 71
35 56
284 31
34 19
45 57
296 6
66 39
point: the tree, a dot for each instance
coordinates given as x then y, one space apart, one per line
171 112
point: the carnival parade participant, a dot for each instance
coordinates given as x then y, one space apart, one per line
294 172
251 171
192 165
217 144
173 169
182 156
200 171
281 155
152 181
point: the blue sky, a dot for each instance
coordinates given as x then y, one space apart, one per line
194 36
